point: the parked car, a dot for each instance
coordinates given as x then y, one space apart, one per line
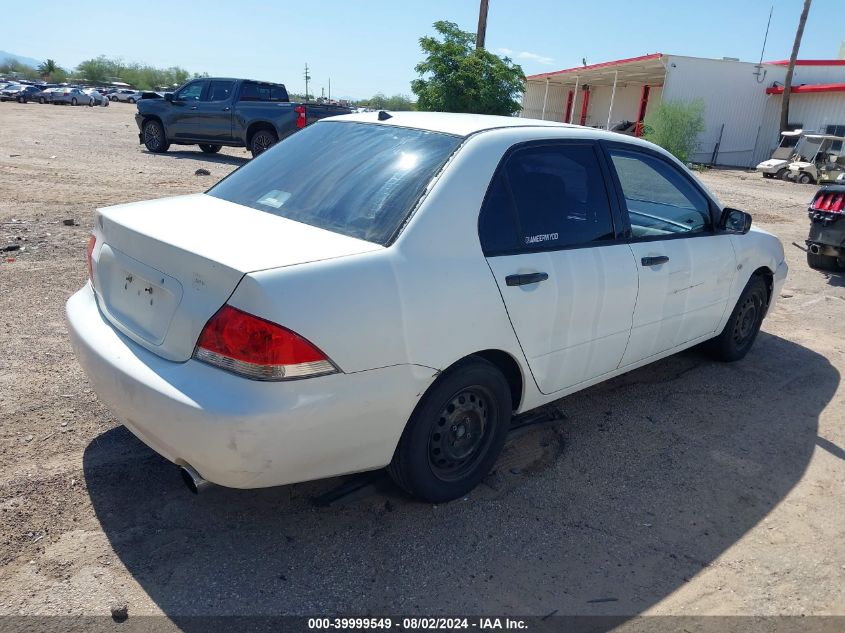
73 96
96 98
826 241
126 95
46 95
388 290
215 112
6 93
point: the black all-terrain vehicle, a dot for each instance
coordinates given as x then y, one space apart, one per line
826 242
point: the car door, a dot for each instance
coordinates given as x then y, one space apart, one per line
568 282
182 114
685 265
214 112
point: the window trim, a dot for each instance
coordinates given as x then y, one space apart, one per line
616 219
714 209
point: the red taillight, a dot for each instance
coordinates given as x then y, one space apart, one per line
300 120
829 202
247 345
89 254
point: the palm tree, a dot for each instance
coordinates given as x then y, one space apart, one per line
47 68
787 84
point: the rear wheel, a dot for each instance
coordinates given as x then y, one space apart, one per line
41 100
744 323
805 179
73 101
825 262
210 149
154 137
455 434
781 173
261 141
131 100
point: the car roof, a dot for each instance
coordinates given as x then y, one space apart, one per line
449 122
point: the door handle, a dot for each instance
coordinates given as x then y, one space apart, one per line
654 261
193 107
523 280
226 109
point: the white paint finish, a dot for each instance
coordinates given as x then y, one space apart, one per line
390 317
206 245
574 326
243 433
684 298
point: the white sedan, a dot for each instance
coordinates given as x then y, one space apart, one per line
389 290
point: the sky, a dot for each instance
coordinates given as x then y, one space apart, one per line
372 46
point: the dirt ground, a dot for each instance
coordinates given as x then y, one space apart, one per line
686 487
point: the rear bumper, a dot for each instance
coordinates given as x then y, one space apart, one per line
242 433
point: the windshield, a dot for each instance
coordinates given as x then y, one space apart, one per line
357 179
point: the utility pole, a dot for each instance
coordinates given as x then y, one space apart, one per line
787 84
307 79
482 25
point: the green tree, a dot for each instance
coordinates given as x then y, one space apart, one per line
102 69
14 68
50 71
676 126
457 77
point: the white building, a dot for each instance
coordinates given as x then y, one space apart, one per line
741 99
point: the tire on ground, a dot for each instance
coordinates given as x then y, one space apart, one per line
154 137
261 140
744 323
210 149
467 412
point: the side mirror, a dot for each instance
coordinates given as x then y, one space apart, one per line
168 96
735 221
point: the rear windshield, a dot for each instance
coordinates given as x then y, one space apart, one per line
357 179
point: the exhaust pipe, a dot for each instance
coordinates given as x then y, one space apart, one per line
814 249
193 479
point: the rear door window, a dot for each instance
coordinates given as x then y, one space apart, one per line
220 90
255 91
358 179
546 197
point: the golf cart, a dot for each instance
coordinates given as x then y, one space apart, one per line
788 151
826 242
826 164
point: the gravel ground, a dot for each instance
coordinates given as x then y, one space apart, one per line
686 487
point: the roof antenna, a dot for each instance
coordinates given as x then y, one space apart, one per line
384 116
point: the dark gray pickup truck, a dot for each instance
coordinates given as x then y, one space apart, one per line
212 112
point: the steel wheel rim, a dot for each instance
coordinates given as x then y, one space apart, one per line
460 437
746 320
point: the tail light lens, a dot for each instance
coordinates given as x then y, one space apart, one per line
834 202
89 255
300 120
252 347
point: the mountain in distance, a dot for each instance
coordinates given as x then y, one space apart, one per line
29 61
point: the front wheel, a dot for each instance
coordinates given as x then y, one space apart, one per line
41 100
154 137
261 141
744 323
131 100
805 179
210 149
455 434
73 101
781 173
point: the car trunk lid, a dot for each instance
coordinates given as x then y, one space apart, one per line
162 268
